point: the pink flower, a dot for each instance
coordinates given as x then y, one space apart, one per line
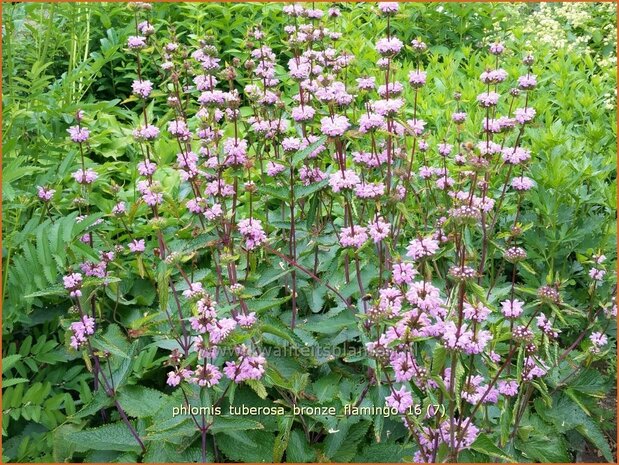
142 88
354 236
400 400
527 82
152 198
508 388
136 42
478 312
403 273
370 122
45 194
378 229
174 379
394 88
147 168
146 28
493 76
148 132
522 183
488 99
179 129
497 48
417 78
87 176
389 107
391 46
302 114
346 180
404 366
205 82
420 248
81 329
248 367
273 169
72 281
206 376
388 8
119 209
220 329
246 321
291 144
524 115
366 83
213 212
515 155
235 151
137 246
598 339
596 275
334 126
512 308
444 149
195 290
252 231
369 190
78 134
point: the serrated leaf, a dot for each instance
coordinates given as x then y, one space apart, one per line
299 449
115 436
258 388
326 387
303 154
224 424
112 341
140 401
9 361
13 381
261 451
487 446
281 441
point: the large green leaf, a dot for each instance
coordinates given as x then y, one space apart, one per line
299 449
140 401
484 444
257 446
115 436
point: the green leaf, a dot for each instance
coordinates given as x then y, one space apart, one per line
257 446
281 441
226 424
13 381
438 359
100 401
140 401
112 341
567 415
258 387
299 449
301 192
549 449
8 362
280 193
259 305
380 453
326 325
115 436
487 446
271 329
303 154
326 387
